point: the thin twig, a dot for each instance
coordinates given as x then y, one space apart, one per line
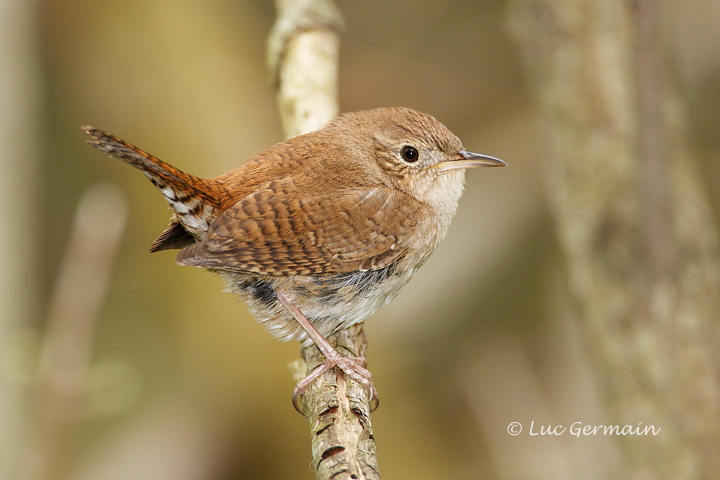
303 50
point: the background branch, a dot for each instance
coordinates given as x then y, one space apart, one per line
303 52
639 240
60 394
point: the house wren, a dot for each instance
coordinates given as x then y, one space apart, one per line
318 232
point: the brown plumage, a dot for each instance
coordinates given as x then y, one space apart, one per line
331 224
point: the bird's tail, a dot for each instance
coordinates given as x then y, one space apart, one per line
193 199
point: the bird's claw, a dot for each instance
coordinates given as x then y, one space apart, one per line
351 367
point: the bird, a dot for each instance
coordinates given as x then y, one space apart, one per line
317 232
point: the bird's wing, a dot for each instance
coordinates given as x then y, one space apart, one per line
279 232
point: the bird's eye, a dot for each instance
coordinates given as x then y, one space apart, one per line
410 154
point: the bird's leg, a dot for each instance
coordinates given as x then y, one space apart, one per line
350 366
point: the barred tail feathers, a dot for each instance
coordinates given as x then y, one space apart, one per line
193 199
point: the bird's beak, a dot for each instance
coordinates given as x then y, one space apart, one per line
467 159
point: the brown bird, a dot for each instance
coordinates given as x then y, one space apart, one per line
318 232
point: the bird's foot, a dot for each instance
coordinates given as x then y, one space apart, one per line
353 368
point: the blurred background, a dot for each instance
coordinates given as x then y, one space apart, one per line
180 382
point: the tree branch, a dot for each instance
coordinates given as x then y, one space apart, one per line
303 49
338 413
